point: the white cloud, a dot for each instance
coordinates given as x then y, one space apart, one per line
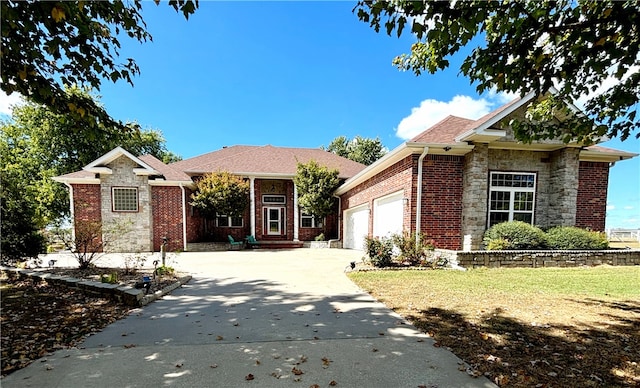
610 207
6 102
431 111
628 207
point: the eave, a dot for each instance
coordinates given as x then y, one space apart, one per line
399 153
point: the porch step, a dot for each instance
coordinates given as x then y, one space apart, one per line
223 246
280 244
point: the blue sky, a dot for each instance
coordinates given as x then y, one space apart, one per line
299 74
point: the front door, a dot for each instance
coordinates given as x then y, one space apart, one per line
274 220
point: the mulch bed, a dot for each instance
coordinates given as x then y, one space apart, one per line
38 318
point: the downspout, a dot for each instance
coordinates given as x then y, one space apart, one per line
71 211
184 218
296 215
252 206
419 193
339 219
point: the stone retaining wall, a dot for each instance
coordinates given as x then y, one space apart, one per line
126 295
535 259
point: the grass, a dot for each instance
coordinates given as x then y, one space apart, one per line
523 327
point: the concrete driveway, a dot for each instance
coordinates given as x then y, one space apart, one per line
256 319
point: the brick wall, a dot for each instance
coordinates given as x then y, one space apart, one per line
86 208
86 202
166 204
194 221
442 200
399 176
591 202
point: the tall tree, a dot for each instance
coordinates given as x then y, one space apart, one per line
588 50
359 149
221 193
47 45
38 144
316 184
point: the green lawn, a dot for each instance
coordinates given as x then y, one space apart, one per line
593 282
523 327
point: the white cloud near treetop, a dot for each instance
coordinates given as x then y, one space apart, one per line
431 111
6 102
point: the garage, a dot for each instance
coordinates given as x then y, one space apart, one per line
356 227
388 215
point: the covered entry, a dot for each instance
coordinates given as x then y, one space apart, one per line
356 227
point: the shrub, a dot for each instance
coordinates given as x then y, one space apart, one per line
379 251
320 237
414 248
570 237
516 235
498 244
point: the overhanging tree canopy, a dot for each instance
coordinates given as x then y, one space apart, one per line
47 45
588 50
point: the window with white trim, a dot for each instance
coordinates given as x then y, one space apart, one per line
273 199
125 199
511 197
223 220
310 221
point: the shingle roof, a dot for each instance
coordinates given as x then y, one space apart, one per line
168 172
445 131
243 159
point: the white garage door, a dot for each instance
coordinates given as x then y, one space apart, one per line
387 215
356 227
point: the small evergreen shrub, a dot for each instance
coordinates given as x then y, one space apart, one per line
498 244
516 235
415 249
379 250
570 237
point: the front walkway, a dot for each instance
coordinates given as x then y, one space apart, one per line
256 318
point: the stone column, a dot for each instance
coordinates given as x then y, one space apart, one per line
474 196
563 186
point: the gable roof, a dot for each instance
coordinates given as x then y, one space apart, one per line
100 165
455 135
168 172
147 165
265 161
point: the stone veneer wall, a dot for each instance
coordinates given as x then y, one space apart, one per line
556 186
139 237
563 187
474 196
536 259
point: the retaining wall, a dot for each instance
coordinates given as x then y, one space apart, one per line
535 259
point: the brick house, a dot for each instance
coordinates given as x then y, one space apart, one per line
152 198
466 175
470 174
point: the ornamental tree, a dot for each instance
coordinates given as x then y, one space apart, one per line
588 50
316 184
221 193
